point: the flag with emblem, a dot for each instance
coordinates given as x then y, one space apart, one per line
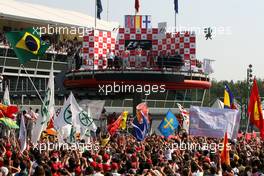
47 110
27 44
146 21
255 109
85 123
6 98
168 124
68 114
140 130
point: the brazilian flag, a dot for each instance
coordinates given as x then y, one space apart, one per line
27 44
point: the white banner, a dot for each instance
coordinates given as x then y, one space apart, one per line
212 122
69 112
93 107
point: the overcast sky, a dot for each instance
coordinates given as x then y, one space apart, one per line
233 50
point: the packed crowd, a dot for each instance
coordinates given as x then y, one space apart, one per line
123 155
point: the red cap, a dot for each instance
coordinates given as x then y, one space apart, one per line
207 159
100 165
106 157
149 161
8 154
78 170
8 145
106 167
114 166
54 166
93 164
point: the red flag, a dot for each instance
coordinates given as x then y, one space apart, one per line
137 5
225 158
112 128
51 123
8 111
255 109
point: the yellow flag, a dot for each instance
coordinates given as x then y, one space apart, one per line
104 141
124 120
138 21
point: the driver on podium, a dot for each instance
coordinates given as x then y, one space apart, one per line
138 58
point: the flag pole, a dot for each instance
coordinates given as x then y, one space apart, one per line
175 21
107 13
32 84
248 122
95 13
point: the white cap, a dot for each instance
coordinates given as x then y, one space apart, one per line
4 171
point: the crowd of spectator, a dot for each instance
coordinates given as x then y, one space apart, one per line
124 155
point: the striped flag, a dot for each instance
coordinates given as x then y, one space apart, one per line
129 21
138 21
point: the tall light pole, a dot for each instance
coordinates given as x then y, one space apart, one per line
249 83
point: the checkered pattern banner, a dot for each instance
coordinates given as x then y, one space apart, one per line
98 44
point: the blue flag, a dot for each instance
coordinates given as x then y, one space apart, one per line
168 124
99 8
176 7
140 130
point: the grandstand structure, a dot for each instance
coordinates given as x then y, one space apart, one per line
80 65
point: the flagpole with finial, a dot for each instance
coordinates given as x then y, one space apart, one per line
95 13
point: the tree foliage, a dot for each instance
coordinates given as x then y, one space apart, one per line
238 88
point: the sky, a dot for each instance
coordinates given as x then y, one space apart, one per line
238 28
